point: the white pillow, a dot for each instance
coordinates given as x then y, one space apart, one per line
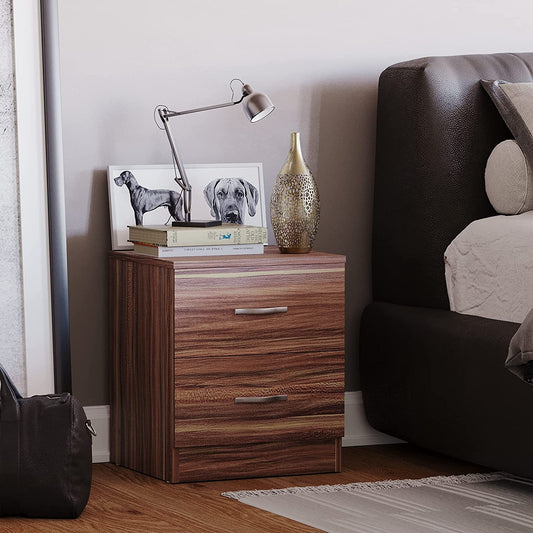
508 184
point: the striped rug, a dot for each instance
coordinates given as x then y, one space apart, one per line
472 503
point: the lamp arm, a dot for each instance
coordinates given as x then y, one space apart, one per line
183 180
169 114
166 113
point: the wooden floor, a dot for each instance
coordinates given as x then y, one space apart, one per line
125 501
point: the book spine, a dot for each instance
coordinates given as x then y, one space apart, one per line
190 251
218 236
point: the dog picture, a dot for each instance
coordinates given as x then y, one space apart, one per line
230 198
140 195
144 200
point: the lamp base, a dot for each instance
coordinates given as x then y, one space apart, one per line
197 223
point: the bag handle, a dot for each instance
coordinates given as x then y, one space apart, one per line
9 396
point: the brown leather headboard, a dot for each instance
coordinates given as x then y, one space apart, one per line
436 127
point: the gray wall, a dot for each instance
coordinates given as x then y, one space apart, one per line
319 61
11 298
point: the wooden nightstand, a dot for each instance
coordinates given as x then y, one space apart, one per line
227 367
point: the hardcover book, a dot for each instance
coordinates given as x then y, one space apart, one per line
187 236
190 251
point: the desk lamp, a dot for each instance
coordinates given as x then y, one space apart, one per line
255 105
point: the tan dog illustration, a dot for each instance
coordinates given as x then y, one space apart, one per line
228 198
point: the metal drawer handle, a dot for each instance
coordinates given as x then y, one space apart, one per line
262 399
261 311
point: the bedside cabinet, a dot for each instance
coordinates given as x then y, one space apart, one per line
227 367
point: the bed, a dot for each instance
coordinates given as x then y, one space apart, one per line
432 376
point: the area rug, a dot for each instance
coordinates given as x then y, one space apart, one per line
471 503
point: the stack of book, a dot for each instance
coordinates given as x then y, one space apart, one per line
170 241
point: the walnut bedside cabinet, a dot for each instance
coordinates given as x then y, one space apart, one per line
227 367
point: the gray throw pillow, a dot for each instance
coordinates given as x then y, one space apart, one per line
508 184
515 104
520 355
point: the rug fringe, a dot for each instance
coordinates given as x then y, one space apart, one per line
373 485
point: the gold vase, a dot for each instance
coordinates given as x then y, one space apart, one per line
295 203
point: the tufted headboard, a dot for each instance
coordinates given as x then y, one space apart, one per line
436 127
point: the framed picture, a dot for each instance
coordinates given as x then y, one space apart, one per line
148 195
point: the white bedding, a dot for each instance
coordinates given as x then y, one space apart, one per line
489 268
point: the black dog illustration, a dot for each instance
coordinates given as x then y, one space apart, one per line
228 198
144 200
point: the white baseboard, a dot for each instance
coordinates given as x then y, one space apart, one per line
357 431
99 417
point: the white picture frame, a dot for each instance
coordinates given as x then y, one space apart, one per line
201 176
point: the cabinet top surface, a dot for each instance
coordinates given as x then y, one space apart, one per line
272 256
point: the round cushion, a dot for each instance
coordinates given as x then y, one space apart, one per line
508 182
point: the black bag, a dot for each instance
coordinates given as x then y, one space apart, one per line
45 454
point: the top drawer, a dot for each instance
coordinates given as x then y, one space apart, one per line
311 301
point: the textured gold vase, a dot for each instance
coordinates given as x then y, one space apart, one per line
295 203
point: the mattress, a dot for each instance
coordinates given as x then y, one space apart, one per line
489 268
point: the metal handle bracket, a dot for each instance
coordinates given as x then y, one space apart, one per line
262 399
261 311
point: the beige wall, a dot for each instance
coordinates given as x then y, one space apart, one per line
319 62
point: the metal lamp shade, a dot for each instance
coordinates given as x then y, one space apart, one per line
257 106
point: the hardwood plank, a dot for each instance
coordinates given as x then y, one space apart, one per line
124 501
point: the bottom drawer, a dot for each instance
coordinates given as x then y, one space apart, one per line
251 399
256 460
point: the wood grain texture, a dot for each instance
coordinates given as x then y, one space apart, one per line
251 460
204 431
271 258
206 387
181 356
124 501
142 337
206 322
